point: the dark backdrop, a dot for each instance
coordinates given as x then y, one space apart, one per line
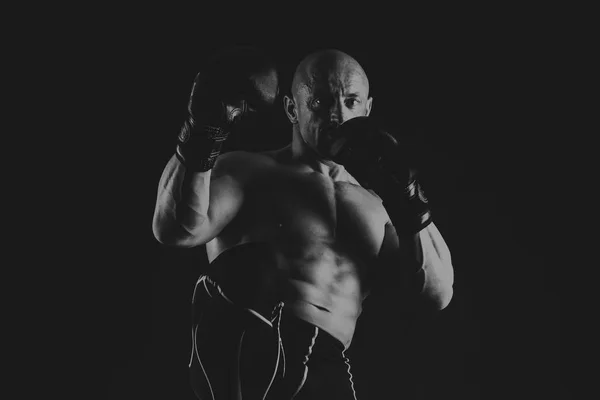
478 95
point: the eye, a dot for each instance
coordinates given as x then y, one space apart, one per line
350 103
316 103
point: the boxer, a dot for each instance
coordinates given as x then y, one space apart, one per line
299 236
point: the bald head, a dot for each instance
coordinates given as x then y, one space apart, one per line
329 88
320 65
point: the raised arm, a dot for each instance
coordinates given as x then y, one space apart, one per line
413 249
197 193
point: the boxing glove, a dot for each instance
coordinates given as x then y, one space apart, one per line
228 96
381 163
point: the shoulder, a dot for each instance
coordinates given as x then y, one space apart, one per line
279 156
346 177
237 158
241 165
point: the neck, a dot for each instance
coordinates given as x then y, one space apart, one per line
303 153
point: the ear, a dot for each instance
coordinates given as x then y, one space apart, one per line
290 109
368 107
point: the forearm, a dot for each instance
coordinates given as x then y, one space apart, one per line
416 268
409 212
182 203
436 274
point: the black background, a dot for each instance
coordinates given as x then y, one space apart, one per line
479 90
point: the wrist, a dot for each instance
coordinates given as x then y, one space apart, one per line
406 204
199 146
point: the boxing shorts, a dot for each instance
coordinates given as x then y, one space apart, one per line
242 352
315 363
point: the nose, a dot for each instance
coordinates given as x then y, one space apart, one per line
333 125
335 113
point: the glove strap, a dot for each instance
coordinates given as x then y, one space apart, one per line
198 148
418 206
409 208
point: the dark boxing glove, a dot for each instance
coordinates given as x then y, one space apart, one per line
233 94
379 162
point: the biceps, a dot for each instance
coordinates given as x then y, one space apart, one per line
226 197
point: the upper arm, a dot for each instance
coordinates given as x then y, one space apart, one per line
226 199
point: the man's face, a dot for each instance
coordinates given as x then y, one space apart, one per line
327 99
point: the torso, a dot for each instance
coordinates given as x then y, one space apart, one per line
324 229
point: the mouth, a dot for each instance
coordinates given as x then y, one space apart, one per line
332 132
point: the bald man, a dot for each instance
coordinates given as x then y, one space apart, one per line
296 242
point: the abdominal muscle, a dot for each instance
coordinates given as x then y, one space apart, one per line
326 292
297 215
322 288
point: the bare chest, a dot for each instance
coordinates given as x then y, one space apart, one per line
297 211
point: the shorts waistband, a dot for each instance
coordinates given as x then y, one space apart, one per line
322 338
